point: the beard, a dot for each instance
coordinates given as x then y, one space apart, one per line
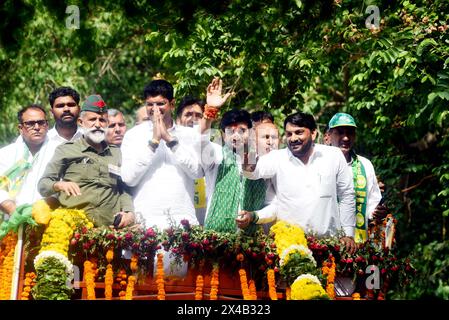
95 135
67 122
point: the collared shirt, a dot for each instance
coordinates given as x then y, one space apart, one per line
306 194
98 176
54 136
373 191
9 155
164 178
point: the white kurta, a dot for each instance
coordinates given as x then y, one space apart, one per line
12 153
308 194
163 180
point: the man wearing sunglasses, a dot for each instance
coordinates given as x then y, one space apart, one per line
64 106
23 162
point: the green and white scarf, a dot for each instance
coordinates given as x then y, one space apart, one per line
360 186
11 181
232 193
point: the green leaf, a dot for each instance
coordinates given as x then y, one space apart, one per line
424 44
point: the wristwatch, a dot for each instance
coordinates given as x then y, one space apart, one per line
153 144
172 143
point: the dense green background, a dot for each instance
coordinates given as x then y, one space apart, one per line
315 56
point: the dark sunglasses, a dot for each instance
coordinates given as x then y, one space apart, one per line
32 124
68 104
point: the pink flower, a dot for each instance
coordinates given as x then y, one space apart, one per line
150 233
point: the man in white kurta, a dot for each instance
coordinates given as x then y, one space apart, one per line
161 160
33 147
314 186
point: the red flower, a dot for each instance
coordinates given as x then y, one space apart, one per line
73 242
77 236
150 233
110 236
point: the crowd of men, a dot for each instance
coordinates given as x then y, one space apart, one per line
166 169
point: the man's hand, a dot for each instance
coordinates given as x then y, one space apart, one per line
127 218
244 218
70 188
156 119
214 94
380 212
8 206
349 244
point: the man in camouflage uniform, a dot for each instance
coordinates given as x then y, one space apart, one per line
86 173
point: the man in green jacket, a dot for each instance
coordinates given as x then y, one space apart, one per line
86 173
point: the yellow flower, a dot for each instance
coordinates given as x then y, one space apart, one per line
307 287
286 234
41 212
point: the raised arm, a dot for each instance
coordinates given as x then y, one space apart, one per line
214 101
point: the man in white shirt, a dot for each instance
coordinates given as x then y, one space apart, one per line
189 113
161 161
64 106
314 187
342 134
23 162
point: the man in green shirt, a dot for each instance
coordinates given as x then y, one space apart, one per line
86 173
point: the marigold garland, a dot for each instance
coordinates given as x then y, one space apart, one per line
199 287
59 231
7 251
288 293
244 285
287 234
133 263
130 288
89 278
252 290
160 277
356 296
41 212
108 281
121 280
330 273
214 282
28 283
271 278
307 287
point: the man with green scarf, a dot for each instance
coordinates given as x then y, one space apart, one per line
342 134
228 192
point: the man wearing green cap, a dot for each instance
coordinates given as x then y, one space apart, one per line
86 173
342 134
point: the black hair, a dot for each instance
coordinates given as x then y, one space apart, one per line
31 106
188 101
258 116
158 87
63 92
301 119
235 116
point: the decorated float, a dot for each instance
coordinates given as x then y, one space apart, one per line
59 255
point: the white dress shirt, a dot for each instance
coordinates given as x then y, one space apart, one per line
164 179
308 194
10 154
54 136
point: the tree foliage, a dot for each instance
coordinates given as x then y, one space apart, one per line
281 56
